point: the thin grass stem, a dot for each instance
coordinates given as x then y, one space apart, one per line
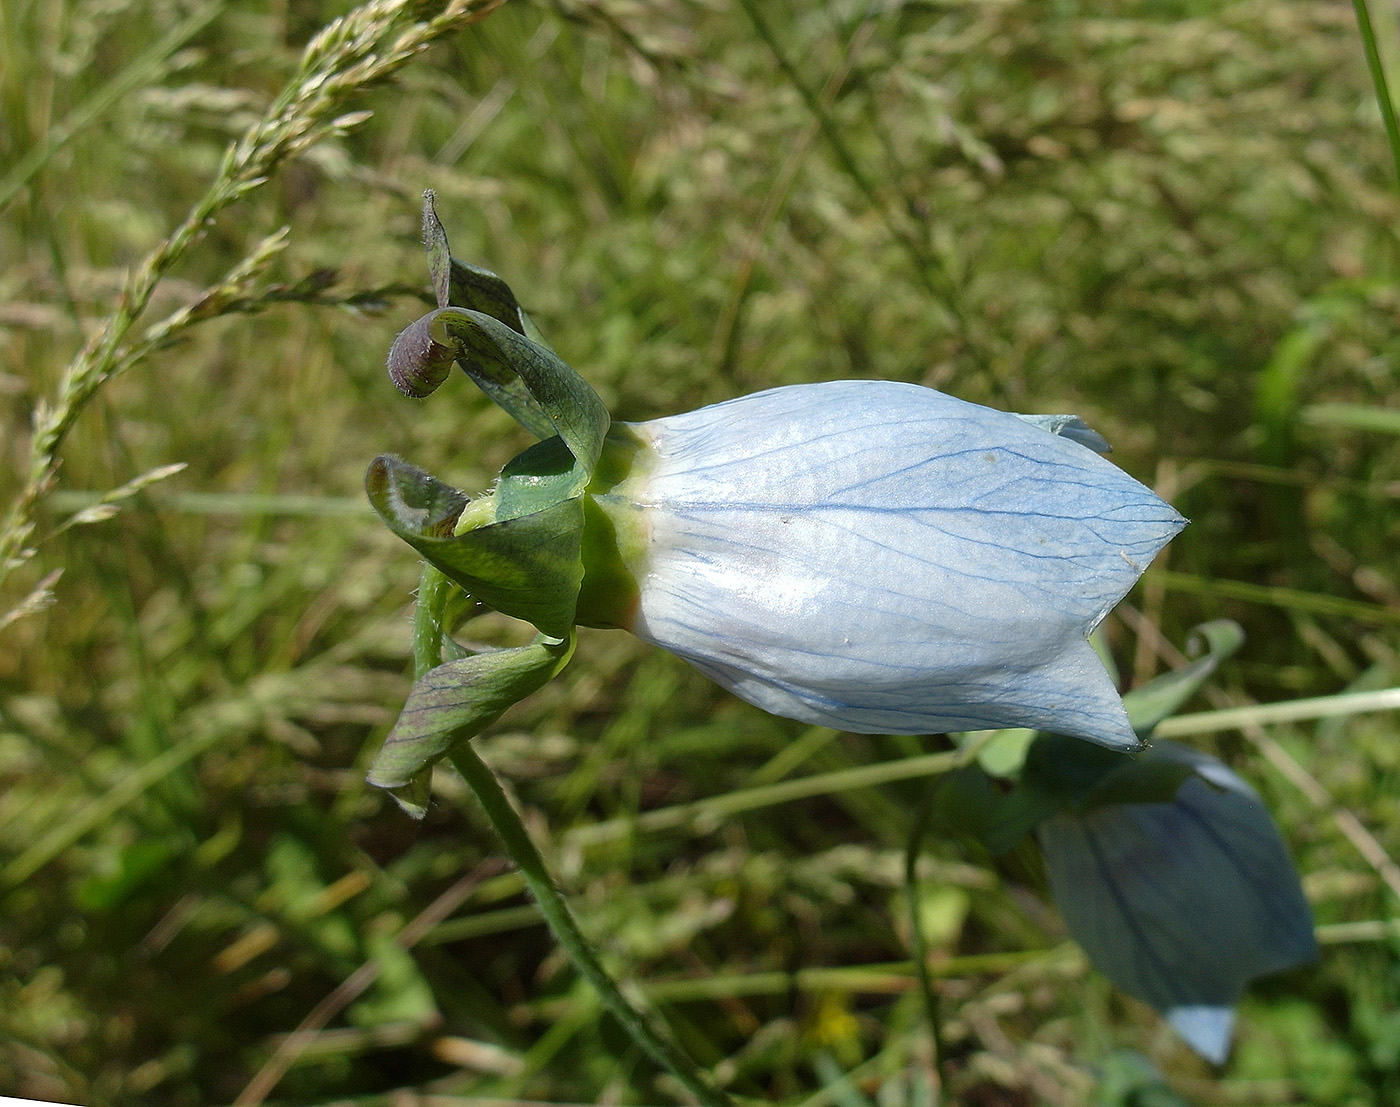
1271 714
917 832
1377 68
357 51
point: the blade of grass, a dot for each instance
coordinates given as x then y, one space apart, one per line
1271 714
917 945
237 504
712 810
931 270
885 978
1377 68
97 812
1292 599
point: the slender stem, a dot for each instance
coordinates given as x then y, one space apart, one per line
434 590
560 920
727 804
917 946
1377 67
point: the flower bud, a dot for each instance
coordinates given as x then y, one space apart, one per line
882 558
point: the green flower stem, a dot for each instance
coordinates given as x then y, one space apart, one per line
560 920
433 592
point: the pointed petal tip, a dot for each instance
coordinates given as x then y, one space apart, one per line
1126 743
1207 1030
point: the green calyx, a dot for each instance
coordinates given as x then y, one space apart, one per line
452 703
614 533
528 567
522 548
550 544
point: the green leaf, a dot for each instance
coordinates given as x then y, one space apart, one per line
544 475
400 994
1070 774
526 567
1127 1079
1004 753
455 702
1143 778
482 290
970 803
136 864
1059 773
1360 417
492 354
1163 697
415 361
1065 769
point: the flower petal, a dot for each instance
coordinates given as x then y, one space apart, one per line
1205 1029
1183 903
881 557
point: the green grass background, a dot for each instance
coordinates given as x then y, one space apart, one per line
1178 219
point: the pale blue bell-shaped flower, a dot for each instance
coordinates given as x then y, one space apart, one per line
883 558
1182 903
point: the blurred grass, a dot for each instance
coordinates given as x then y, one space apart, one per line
1176 219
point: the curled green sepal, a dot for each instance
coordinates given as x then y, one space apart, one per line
470 286
453 703
518 549
527 567
421 357
491 350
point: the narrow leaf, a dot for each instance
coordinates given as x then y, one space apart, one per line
970 803
439 255
542 476
482 290
478 289
1163 697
